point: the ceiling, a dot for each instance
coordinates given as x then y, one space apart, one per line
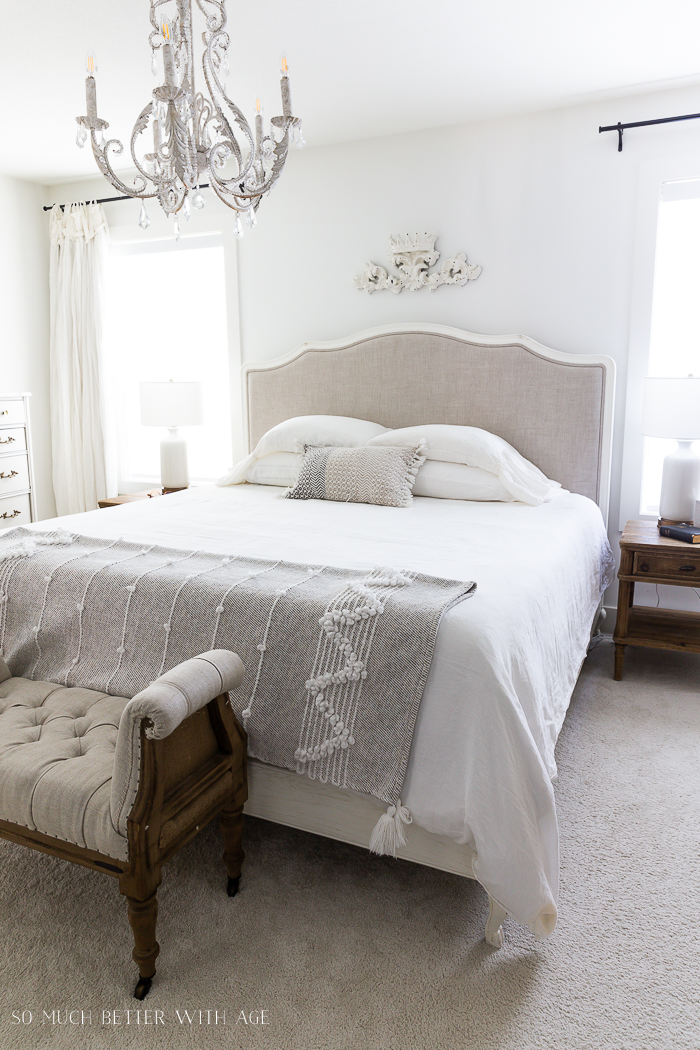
359 68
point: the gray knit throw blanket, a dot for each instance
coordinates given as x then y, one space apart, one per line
336 660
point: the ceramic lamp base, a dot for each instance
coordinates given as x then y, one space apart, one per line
680 485
173 462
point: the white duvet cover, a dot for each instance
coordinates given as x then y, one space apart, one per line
505 661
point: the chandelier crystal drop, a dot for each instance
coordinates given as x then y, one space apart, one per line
196 137
144 221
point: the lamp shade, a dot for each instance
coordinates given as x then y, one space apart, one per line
671 408
171 404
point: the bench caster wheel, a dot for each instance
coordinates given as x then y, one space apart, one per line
232 886
143 987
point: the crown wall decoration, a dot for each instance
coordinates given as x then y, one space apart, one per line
414 255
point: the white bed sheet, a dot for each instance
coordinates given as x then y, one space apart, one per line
505 661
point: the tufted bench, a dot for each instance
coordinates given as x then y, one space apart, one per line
119 785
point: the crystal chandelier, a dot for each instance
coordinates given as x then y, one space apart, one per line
192 134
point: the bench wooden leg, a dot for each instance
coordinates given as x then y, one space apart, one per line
231 821
143 916
142 906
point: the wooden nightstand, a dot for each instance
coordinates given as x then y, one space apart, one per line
128 497
650 558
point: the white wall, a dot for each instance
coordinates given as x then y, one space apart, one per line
542 202
24 314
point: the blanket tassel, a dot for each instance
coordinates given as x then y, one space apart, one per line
388 833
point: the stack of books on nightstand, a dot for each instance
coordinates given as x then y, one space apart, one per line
687 533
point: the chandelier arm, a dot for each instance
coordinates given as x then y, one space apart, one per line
232 187
139 127
236 200
203 115
209 76
215 89
217 20
281 151
103 163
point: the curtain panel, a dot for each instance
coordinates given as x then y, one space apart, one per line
78 238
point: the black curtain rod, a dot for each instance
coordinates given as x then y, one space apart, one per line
108 200
619 128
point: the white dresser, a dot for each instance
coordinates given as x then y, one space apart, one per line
16 474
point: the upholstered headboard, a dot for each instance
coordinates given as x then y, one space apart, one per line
555 408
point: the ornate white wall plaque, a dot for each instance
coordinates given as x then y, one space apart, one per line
413 256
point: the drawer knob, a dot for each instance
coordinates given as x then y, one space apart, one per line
6 441
5 412
12 515
12 474
644 566
687 568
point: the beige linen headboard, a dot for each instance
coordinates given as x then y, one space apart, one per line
555 408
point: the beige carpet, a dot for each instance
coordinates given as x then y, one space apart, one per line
341 949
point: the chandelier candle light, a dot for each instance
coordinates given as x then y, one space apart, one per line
192 134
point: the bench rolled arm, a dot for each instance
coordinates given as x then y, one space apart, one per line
181 691
166 702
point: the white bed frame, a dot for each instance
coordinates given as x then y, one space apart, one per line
286 798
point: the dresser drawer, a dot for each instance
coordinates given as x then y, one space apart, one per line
15 510
14 473
14 439
678 565
11 411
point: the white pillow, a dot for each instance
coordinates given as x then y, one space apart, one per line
292 434
474 447
279 468
457 481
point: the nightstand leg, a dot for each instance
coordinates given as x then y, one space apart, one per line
625 597
619 660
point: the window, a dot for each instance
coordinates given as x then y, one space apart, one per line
165 318
674 348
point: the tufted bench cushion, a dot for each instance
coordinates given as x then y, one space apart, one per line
57 749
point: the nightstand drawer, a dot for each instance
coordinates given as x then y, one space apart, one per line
677 566
15 510
12 411
14 473
14 439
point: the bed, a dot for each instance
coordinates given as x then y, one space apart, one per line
478 784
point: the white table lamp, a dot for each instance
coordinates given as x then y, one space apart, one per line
172 405
671 409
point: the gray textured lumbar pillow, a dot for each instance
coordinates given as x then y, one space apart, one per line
384 476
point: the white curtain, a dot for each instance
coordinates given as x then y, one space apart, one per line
81 477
